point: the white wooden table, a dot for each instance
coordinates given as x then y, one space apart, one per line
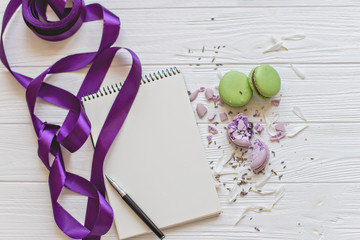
322 174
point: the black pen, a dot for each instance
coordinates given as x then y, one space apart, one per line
136 208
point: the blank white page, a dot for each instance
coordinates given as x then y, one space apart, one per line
157 158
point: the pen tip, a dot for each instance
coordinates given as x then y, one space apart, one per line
107 177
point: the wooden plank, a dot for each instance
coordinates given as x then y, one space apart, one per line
166 4
320 96
163 37
315 155
324 209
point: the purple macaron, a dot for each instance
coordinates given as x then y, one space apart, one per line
240 131
260 156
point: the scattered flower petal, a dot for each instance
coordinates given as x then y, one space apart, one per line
233 192
257 209
227 173
269 127
223 116
209 94
274 39
219 74
212 116
194 95
278 136
216 182
221 162
275 102
219 165
294 37
257 113
201 110
259 128
209 138
262 183
271 130
216 98
280 126
299 113
264 193
294 131
212 130
298 72
274 119
279 195
276 47
202 89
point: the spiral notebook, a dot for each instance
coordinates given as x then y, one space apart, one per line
157 157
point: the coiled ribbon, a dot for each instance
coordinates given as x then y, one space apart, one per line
75 129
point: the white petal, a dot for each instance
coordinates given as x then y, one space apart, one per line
295 130
254 209
274 119
295 37
274 39
280 194
299 113
219 74
216 182
298 72
219 165
276 47
221 162
269 127
233 192
226 173
271 130
264 192
262 183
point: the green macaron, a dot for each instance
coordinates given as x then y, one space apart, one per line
265 81
234 89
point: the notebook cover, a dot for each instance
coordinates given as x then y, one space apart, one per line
157 157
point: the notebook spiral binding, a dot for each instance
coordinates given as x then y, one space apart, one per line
114 88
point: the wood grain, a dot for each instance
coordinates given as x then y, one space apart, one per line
245 33
166 4
324 96
321 176
315 155
322 209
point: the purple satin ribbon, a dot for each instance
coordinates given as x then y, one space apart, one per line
75 129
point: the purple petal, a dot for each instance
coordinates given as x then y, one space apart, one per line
223 116
194 95
212 116
278 136
209 94
216 98
275 102
280 126
259 128
212 130
201 110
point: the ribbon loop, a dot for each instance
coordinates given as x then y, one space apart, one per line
75 129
